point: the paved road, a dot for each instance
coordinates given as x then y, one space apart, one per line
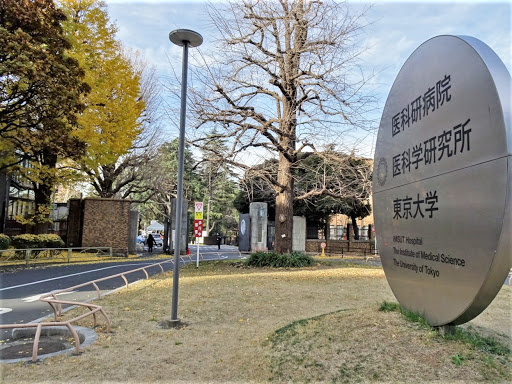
20 290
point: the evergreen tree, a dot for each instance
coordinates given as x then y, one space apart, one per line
332 182
161 178
219 188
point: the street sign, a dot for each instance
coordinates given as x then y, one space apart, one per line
198 228
199 211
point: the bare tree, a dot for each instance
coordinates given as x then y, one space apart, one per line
285 75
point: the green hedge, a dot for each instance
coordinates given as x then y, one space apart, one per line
37 241
5 241
275 260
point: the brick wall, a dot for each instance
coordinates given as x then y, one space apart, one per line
106 223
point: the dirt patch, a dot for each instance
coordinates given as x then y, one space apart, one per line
231 314
47 344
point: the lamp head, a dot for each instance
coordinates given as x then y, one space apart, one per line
180 36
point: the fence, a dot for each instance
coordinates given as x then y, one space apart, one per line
341 247
15 256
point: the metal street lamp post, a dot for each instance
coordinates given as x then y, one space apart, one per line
184 38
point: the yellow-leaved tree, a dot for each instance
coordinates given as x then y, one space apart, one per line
113 119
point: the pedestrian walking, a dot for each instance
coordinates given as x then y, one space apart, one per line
219 239
150 242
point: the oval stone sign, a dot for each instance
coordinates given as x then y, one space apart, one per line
442 185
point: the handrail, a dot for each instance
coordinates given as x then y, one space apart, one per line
56 304
94 282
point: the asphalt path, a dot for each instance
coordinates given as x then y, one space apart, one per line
20 290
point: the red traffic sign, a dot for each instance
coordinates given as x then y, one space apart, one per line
198 228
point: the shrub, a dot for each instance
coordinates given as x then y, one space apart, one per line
5 241
26 241
51 241
275 260
37 241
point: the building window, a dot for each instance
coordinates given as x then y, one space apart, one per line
339 232
331 232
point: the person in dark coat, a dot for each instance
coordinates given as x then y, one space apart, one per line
219 239
150 242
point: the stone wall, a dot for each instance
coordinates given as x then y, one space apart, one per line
170 231
106 223
299 234
258 214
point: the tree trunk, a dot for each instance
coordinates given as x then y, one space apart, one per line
43 192
42 205
284 207
107 183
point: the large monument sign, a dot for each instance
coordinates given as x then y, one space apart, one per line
442 185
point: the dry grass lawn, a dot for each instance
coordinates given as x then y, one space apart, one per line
231 316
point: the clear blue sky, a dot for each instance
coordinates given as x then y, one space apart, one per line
397 29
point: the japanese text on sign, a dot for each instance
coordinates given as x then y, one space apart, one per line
449 143
431 100
198 228
411 208
199 210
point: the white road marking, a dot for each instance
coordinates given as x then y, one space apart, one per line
31 299
5 310
66 276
